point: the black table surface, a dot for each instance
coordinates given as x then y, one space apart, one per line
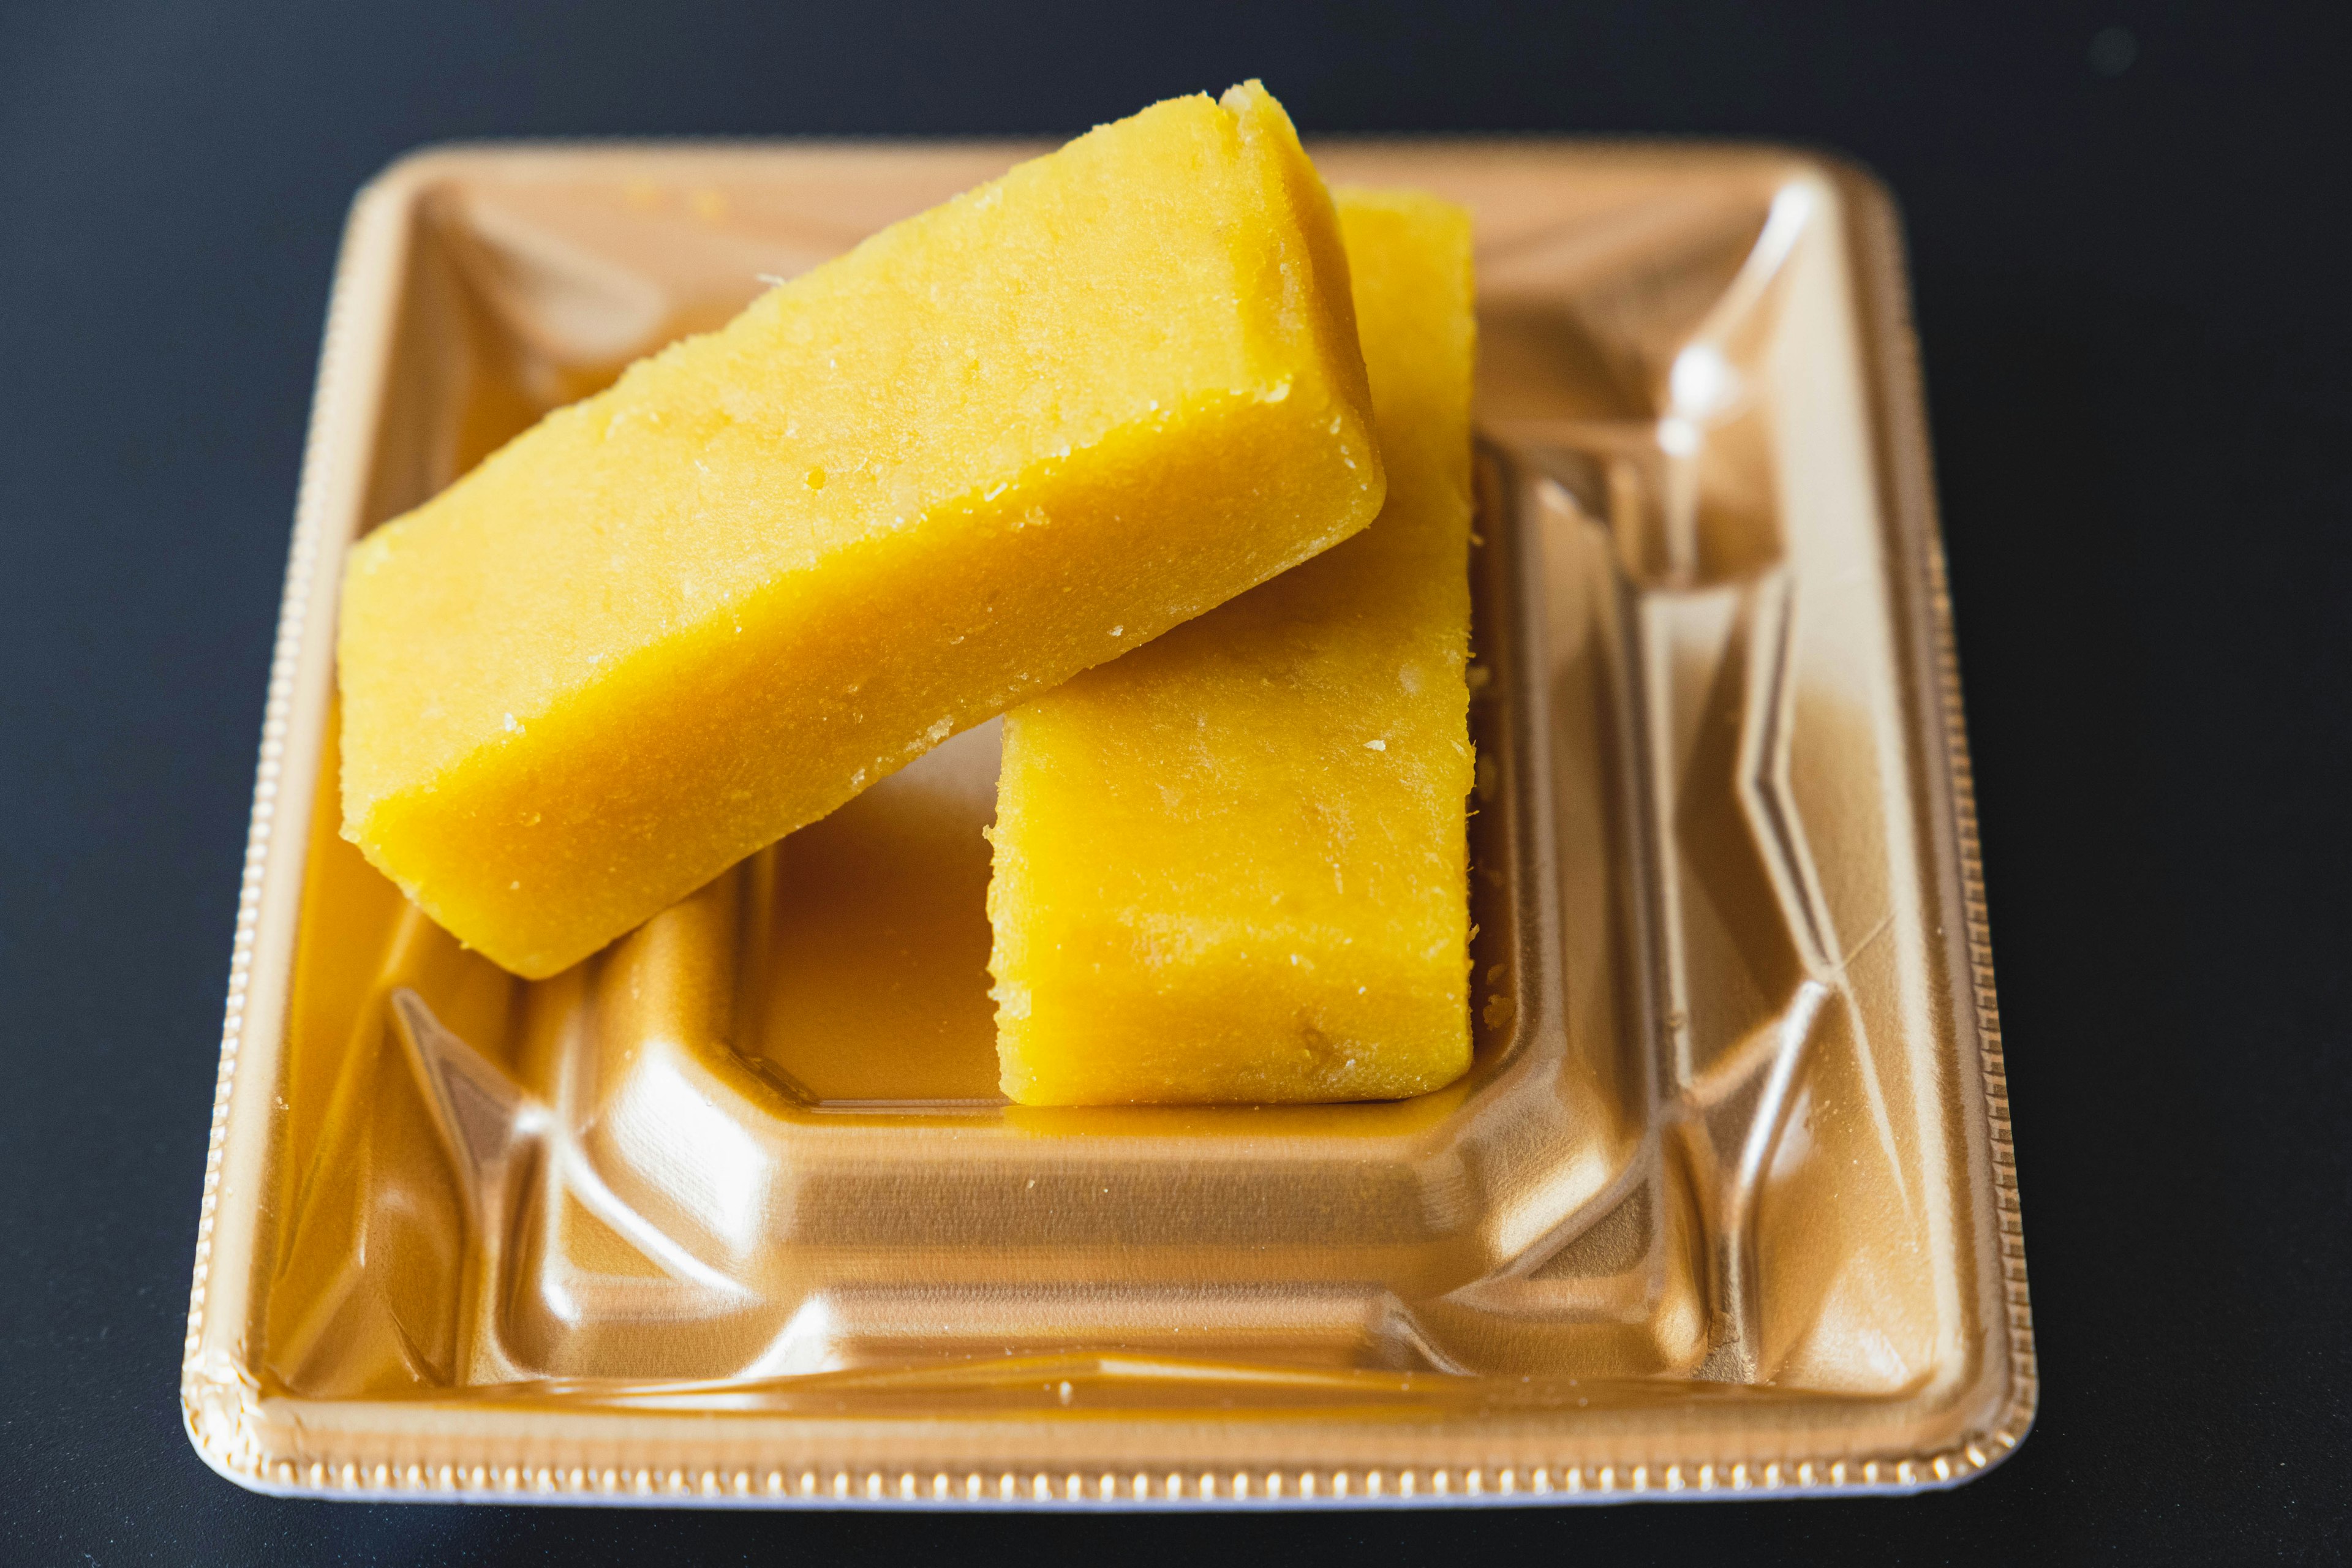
2129 231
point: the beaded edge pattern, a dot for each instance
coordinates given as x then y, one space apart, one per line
1158 1487
226 1440
1898 358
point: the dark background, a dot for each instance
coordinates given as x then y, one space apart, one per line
2132 269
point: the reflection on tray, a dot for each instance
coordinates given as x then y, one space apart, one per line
866 967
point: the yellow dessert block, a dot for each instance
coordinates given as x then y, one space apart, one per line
995 444
1232 866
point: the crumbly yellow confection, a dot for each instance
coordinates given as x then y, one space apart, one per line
1232 866
997 443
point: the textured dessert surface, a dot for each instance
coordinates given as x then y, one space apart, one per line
994 444
1232 866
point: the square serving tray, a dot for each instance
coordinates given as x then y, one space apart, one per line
732 1213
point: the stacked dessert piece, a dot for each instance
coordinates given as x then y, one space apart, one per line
1149 445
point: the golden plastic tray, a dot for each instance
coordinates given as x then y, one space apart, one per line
732 1213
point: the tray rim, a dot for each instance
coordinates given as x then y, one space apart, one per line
221 1403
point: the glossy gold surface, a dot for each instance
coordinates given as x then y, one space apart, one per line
732 1211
